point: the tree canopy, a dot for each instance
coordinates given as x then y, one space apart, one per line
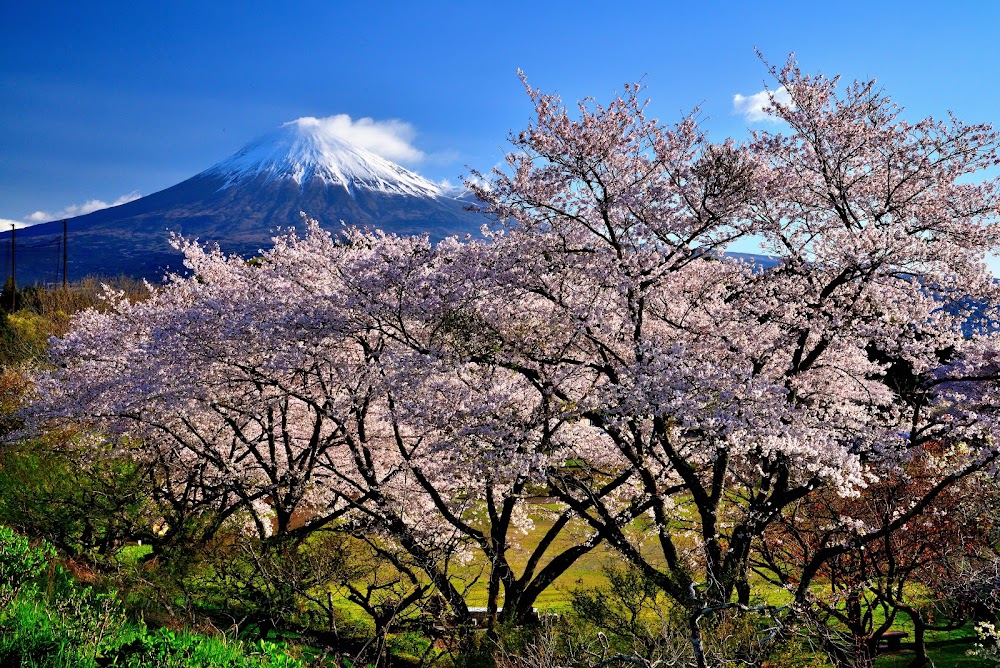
598 346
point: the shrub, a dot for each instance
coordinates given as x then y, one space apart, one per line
20 562
86 506
69 626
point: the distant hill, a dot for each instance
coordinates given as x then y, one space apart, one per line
239 202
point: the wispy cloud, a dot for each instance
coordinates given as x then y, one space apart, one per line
757 107
452 189
72 210
392 139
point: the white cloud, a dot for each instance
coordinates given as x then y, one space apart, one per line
391 139
756 108
72 210
7 223
452 189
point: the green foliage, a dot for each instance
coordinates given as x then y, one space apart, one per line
32 331
10 296
43 635
279 583
20 562
630 616
63 625
166 648
14 386
466 334
634 614
14 349
254 579
87 507
73 628
60 619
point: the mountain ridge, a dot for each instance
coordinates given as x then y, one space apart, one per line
241 201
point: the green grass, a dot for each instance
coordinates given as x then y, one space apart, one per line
130 555
586 572
944 653
944 649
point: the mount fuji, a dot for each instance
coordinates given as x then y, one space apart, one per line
240 202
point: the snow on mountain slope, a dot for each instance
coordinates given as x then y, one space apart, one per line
302 150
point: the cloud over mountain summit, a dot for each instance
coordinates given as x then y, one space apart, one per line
390 139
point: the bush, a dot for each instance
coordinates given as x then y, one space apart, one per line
68 625
74 628
20 562
165 648
238 579
86 506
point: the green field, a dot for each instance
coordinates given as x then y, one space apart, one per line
945 649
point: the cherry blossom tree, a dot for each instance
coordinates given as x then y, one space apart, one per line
598 346
717 394
295 393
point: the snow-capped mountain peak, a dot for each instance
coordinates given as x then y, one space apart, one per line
303 150
303 166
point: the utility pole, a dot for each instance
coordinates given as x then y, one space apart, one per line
13 271
65 237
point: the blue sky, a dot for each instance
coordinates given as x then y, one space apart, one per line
104 101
